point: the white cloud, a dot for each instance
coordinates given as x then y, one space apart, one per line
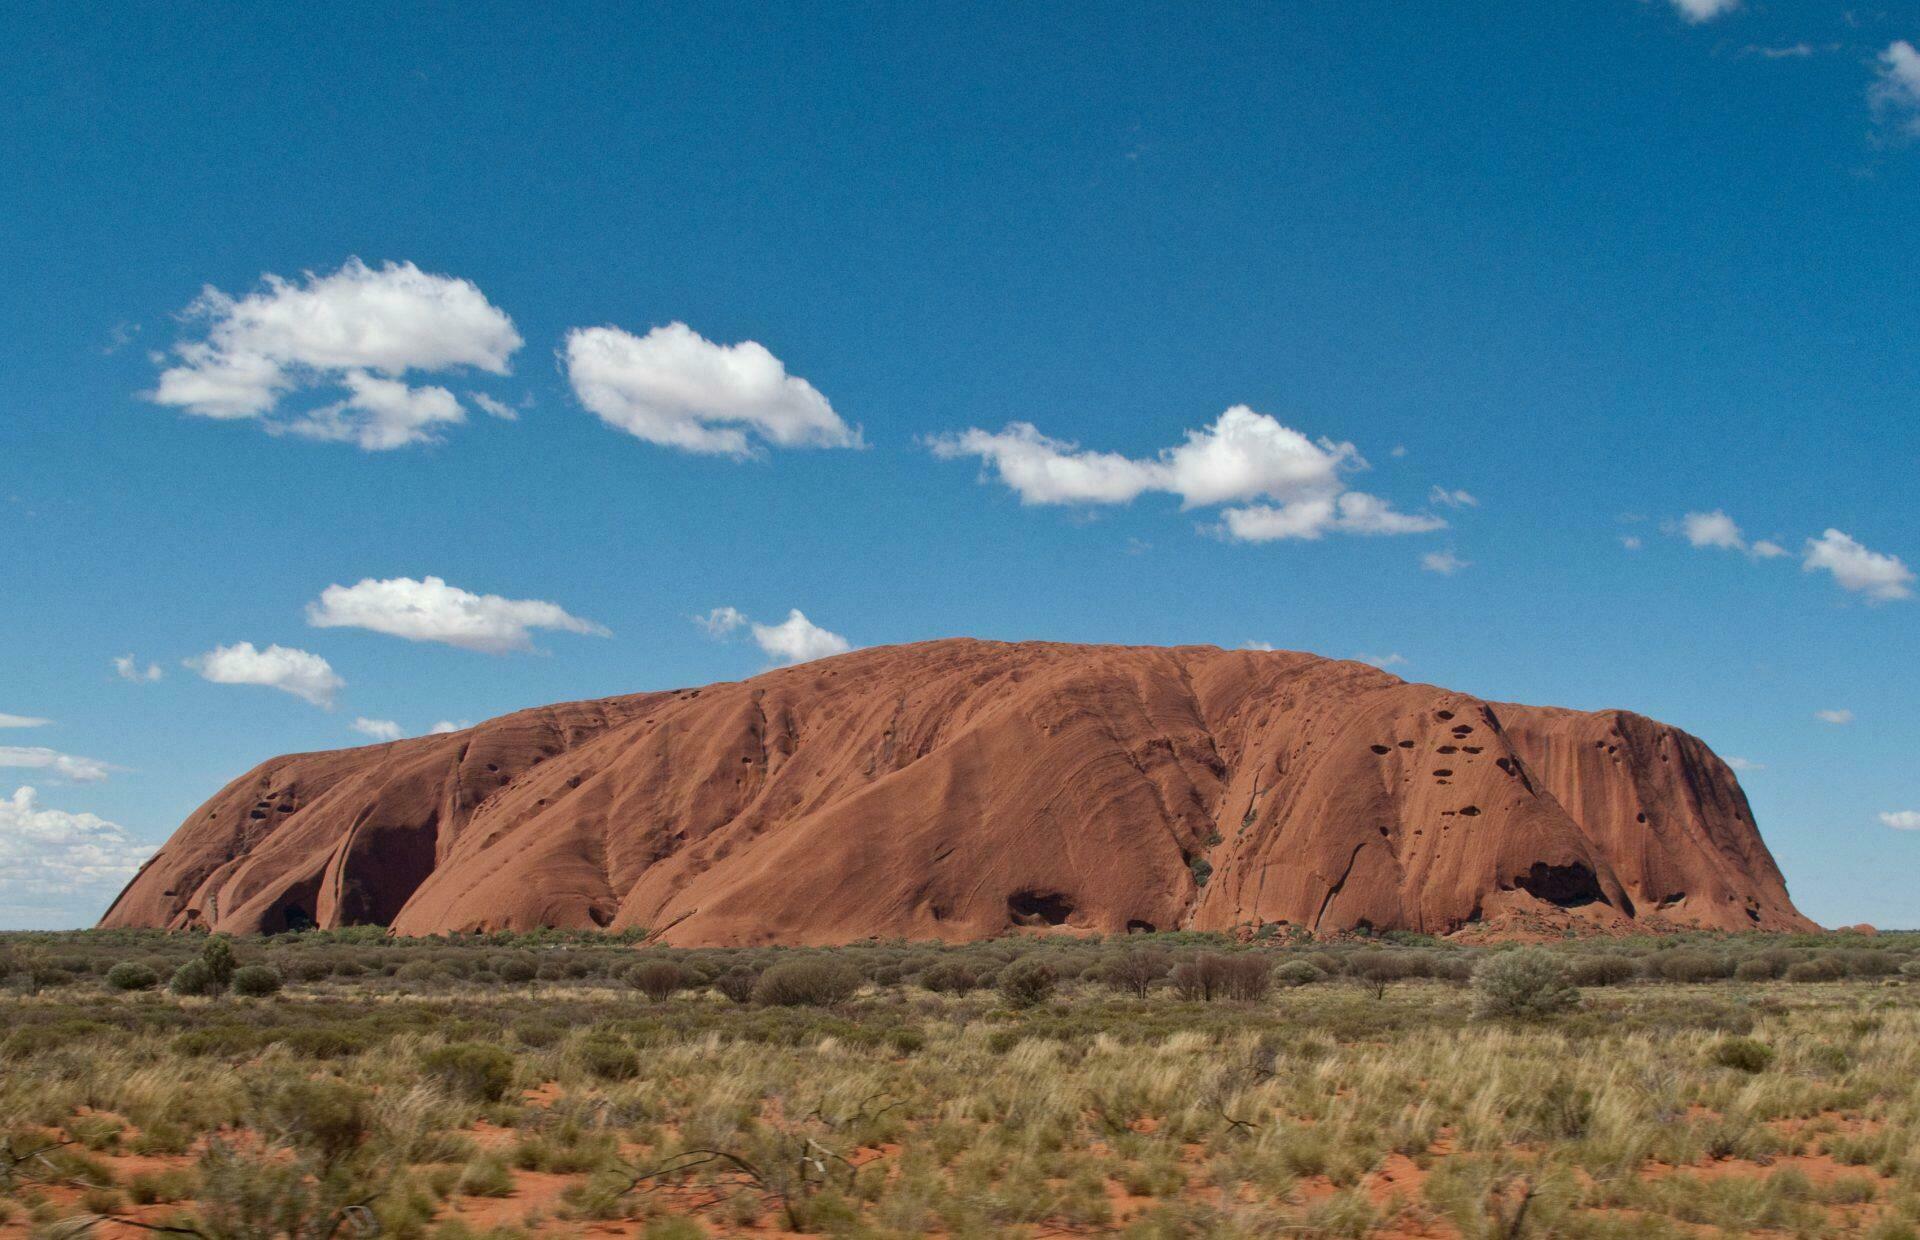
1712 529
1743 764
1895 93
721 621
433 611
360 328
1788 51
1382 661
1882 578
1697 11
676 388
1452 499
1835 717
65 765
1253 645
497 408
1718 531
1243 456
50 852
798 640
380 414
378 729
1446 563
127 668
1902 820
448 725
22 721
1631 542
306 676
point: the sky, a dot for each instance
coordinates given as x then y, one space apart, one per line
376 369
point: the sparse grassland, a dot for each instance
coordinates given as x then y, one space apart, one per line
345 1084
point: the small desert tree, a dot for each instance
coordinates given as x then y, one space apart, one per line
1026 982
1137 971
1527 984
657 979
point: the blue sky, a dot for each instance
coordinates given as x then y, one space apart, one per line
1595 266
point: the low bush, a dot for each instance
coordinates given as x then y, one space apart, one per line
194 978
1742 1054
470 1070
128 975
1527 984
656 979
256 980
1027 982
815 981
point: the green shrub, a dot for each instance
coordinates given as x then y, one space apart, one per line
609 1058
950 977
1297 973
1527 984
1607 970
656 979
256 980
737 984
1027 982
471 1070
328 1117
810 981
128 975
1742 1054
194 978
217 955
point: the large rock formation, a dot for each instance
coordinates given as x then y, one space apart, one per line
956 789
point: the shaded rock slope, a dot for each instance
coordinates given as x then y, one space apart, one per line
957 789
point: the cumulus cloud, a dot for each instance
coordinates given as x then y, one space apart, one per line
362 329
50 852
1902 820
1716 530
1882 578
430 610
676 388
22 721
1835 717
306 676
1382 661
1895 92
1697 11
65 765
496 408
448 725
1243 457
378 729
126 667
1446 563
798 639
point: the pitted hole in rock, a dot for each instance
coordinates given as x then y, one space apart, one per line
1137 926
1462 729
1442 773
1443 715
256 813
1640 817
601 917
1469 811
1039 908
1406 744
1381 749
1448 749
1472 749
1567 886
296 919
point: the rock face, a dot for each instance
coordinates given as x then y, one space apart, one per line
957 789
